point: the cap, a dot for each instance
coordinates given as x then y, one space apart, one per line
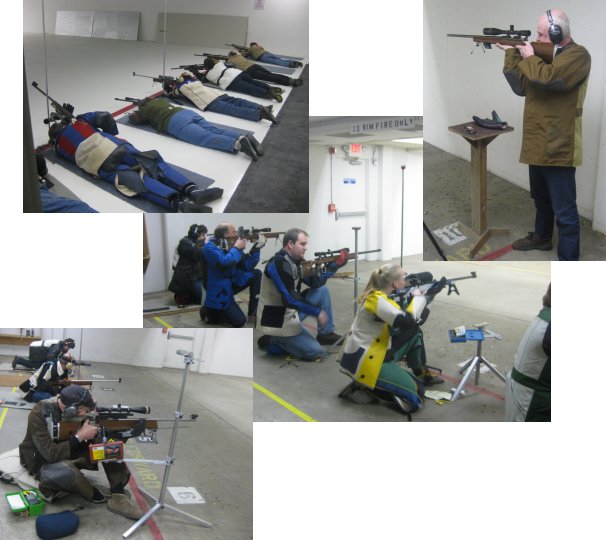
76 395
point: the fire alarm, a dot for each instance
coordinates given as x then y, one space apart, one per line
332 208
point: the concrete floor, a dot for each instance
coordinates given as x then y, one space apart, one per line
505 294
213 454
507 206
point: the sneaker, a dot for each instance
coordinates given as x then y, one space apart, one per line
328 339
122 504
429 379
532 241
263 342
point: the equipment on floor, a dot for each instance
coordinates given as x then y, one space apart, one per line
63 113
25 503
57 525
476 362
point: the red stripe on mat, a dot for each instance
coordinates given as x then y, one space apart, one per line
473 387
153 526
496 254
133 105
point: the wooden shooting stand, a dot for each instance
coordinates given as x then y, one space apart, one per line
479 142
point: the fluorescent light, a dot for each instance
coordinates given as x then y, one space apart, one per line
412 140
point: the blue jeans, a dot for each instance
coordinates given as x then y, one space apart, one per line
189 126
304 345
553 190
232 315
232 106
55 203
270 58
245 84
39 396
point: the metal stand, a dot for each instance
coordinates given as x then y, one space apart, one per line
159 503
476 362
355 230
402 222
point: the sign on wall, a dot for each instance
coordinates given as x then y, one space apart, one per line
373 125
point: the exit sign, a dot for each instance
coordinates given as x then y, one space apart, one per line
355 148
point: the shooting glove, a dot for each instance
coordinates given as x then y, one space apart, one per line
260 243
436 287
494 123
342 260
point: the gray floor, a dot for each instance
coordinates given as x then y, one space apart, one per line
506 295
213 454
507 206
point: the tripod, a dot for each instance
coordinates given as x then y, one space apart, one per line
159 503
476 362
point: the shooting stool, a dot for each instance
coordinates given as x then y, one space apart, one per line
479 141
476 362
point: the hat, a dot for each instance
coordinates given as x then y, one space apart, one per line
76 395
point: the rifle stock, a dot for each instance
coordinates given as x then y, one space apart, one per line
113 428
82 382
542 50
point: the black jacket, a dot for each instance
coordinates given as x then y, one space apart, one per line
190 267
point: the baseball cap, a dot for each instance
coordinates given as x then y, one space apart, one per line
76 395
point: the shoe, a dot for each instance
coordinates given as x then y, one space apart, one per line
189 207
263 342
267 115
328 339
200 196
14 364
105 496
255 144
50 495
532 241
296 82
203 314
428 378
247 148
122 504
276 94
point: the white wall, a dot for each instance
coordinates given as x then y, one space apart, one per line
458 85
221 350
282 27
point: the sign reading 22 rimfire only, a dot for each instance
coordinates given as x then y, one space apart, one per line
383 124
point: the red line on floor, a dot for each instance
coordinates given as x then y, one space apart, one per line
473 387
133 105
496 254
153 526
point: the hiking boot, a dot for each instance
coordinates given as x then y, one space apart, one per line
263 342
428 378
255 144
296 82
189 207
328 339
247 148
122 504
532 241
275 93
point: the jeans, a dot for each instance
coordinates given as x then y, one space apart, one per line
191 127
232 315
39 396
304 345
232 106
245 84
270 58
262 74
553 190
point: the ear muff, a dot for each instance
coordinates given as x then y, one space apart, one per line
556 35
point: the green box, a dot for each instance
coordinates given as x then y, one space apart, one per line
21 507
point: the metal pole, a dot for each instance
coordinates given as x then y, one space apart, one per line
45 64
402 222
356 229
164 58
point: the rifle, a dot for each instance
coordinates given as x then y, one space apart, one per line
430 287
191 67
212 55
114 423
510 37
129 99
239 48
63 112
160 78
323 258
253 234
81 382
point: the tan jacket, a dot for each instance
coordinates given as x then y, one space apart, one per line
553 107
256 51
240 62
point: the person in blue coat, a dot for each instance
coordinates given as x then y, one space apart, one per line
229 271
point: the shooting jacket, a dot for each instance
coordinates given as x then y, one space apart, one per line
222 75
190 267
225 268
158 113
369 339
528 388
42 379
283 297
240 62
201 96
38 446
553 107
46 349
256 52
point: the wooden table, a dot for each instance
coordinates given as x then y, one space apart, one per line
479 142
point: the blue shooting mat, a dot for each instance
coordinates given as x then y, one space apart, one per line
148 127
143 204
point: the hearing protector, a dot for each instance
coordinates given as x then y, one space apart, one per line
556 35
73 410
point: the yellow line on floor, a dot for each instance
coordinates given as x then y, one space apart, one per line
284 404
5 411
163 323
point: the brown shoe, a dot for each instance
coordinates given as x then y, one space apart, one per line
328 339
532 241
123 505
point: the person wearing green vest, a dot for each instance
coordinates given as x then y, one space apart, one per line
528 387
